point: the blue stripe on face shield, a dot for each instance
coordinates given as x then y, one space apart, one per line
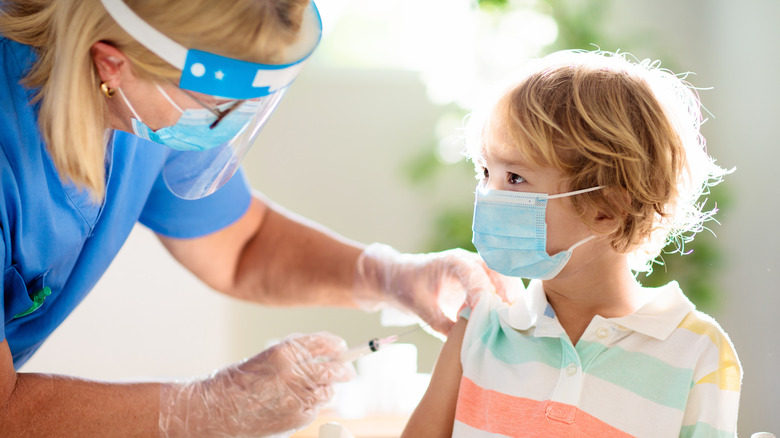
216 75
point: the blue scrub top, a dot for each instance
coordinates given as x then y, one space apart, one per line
54 236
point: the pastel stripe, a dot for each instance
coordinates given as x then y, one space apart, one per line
640 373
703 430
728 375
644 375
698 348
491 376
627 411
613 404
616 381
702 409
519 349
522 417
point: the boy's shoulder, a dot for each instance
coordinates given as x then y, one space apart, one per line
670 302
708 330
699 335
719 361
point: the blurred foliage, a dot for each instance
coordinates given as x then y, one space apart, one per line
493 3
694 266
580 25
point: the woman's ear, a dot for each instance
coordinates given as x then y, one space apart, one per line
110 62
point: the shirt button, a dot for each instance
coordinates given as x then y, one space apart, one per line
571 369
602 332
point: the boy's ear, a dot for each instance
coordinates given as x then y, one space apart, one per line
605 222
610 220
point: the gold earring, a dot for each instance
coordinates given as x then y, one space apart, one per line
109 92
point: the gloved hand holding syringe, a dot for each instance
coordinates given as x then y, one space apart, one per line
356 353
279 390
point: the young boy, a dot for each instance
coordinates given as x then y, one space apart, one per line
588 164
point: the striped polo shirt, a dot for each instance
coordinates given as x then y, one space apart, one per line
666 370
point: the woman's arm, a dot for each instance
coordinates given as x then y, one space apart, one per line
275 257
277 390
43 405
435 414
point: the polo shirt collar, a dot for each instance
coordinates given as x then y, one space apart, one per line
531 310
662 313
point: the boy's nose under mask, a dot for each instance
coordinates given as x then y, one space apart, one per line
510 233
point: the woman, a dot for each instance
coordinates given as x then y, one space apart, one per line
82 80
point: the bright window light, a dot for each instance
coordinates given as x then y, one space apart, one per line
457 48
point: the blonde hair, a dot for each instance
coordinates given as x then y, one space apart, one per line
74 113
605 120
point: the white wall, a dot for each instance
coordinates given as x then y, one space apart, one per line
745 44
733 47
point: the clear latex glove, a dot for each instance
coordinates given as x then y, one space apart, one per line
434 286
281 389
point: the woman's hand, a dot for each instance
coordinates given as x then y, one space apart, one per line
281 389
433 285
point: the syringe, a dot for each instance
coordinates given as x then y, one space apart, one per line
373 345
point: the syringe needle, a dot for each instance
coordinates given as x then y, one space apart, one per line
373 345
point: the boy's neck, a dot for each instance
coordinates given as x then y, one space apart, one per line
610 292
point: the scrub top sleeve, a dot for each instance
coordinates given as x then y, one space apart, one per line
4 294
171 216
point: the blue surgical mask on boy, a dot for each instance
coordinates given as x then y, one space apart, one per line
510 233
193 132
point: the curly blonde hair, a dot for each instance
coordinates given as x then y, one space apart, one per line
605 119
74 113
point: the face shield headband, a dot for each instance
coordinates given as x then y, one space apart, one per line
258 88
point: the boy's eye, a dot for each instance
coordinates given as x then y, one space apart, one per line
485 172
515 178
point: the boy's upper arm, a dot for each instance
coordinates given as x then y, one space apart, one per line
435 414
713 401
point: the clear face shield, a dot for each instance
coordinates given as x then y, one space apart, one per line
210 142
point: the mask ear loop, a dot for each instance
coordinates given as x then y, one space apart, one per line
127 102
568 252
585 240
571 249
576 192
159 88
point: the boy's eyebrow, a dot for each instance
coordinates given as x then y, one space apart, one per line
501 159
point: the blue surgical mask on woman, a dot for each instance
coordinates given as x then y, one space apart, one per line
193 132
510 233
